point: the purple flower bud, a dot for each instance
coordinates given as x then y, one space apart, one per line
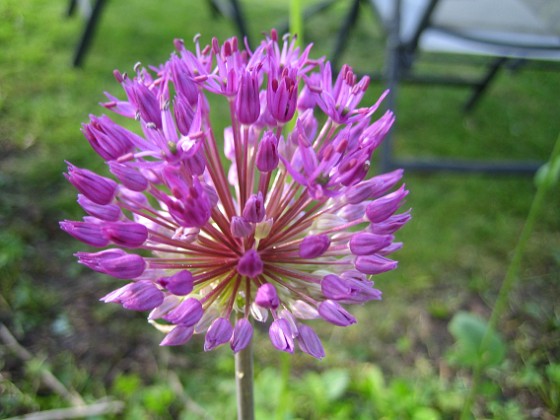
381 208
129 176
180 283
87 232
137 296
374 264
267 296
395 246
98 189
333 287
280 335
247 103
267 153
196 163
178 336
127 234
250 264
314 246
184 85
348 290
254 208
114 262
109 212
281 95
147 103
309 342
133 199
373 187
288 316
332 312
219 333
353 169
368 243
392 224
191 208
109 140
184 115
240 228
242 334
187 313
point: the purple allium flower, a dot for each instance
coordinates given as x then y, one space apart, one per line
290 228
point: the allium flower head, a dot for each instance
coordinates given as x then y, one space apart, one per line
290 229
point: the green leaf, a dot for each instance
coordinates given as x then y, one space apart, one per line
469 331
126 384
553 373
337 381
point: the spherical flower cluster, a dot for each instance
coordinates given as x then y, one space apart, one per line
289 229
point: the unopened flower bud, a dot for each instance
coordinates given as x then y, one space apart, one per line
219 333
267 152
178 336
309 341
240 228
373 187
365 243
242 334
147 103
114 262
180 283
254 208
375 264
127 234
108 139
98 189
392 224
247 103
332 312
381 208
314 246
87 232
281 335
137 296
109 212
267 297
129 177
282 96
187 313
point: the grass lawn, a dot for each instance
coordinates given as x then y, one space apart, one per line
399 361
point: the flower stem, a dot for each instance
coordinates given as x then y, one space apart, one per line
513 270
244 382
296 21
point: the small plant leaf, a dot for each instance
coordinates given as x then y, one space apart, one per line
469 330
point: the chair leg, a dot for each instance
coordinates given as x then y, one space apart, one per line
88 32
394 51
344 32
480 88
71 7
239 19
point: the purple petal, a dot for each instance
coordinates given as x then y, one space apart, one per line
309 341
335 314
219 333
178 336
242 334
280 335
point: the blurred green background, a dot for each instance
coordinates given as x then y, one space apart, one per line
402 360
